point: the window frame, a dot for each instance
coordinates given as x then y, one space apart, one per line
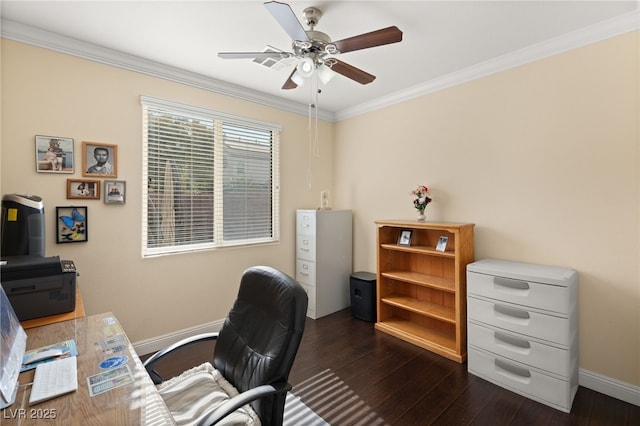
219 119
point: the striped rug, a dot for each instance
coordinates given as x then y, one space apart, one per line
329 401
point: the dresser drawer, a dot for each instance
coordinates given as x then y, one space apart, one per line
519 320
522 379
520 348
306 222
306 272
306 247
525 293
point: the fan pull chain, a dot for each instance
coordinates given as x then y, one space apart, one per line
312 129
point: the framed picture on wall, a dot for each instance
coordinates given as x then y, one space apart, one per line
54 154
99 159
83 189
71 224
114 191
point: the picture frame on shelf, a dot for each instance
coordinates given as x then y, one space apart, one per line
115 191
442 243
99 160
54 154
405 237
83 189
71 224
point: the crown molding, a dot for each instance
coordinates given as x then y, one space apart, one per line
594 33
588 35
37 37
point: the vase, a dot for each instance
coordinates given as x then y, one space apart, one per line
421 216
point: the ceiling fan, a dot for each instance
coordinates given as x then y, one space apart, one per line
314 49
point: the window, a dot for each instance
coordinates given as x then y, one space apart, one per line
209 179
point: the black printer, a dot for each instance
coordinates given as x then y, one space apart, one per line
39 286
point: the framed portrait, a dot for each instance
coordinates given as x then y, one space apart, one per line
71 225
115 191
54 154
405 237
83 189
442 243
99 160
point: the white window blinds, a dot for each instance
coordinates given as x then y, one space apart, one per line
209 179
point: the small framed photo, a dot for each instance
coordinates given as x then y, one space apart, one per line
115 191
83 189
54 154
405 237
71 225
442 243
99 160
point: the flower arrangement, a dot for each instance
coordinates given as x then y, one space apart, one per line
421 194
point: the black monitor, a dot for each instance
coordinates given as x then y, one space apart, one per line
13 342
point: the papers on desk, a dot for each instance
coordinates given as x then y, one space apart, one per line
108 380
67 349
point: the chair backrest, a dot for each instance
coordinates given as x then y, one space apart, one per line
261 335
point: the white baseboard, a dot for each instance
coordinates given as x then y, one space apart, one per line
154 344
614 388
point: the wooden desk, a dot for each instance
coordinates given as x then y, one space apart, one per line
136 403
51 319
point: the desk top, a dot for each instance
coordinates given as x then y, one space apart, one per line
130 400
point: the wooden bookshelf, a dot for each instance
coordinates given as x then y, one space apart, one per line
421 292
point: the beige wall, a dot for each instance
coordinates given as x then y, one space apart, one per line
54 94
544 159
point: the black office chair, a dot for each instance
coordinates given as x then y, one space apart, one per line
254 352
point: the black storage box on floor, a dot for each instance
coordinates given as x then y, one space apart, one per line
363 295
37 286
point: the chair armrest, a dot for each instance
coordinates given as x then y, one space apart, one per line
218 413
161 354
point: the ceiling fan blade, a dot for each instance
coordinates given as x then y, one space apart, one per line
350 71
283 13
290 84
252 55
364 41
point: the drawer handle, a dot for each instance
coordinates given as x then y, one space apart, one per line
510 284
512 314
514 344
513 372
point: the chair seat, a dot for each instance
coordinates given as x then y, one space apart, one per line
192 394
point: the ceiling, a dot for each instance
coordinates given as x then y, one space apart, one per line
440 38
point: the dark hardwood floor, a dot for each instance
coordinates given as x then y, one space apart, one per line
349 373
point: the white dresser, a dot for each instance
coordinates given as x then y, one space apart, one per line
323 258
522 325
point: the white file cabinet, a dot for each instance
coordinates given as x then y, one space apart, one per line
323 258
522 325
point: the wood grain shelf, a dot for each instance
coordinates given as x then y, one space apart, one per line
421 292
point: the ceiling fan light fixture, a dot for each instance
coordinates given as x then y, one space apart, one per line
297 78
306 67
325 74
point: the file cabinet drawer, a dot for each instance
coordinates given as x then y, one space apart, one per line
520 348
306 247
306 272
311 306
525 293
305 223
521 379
517 319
